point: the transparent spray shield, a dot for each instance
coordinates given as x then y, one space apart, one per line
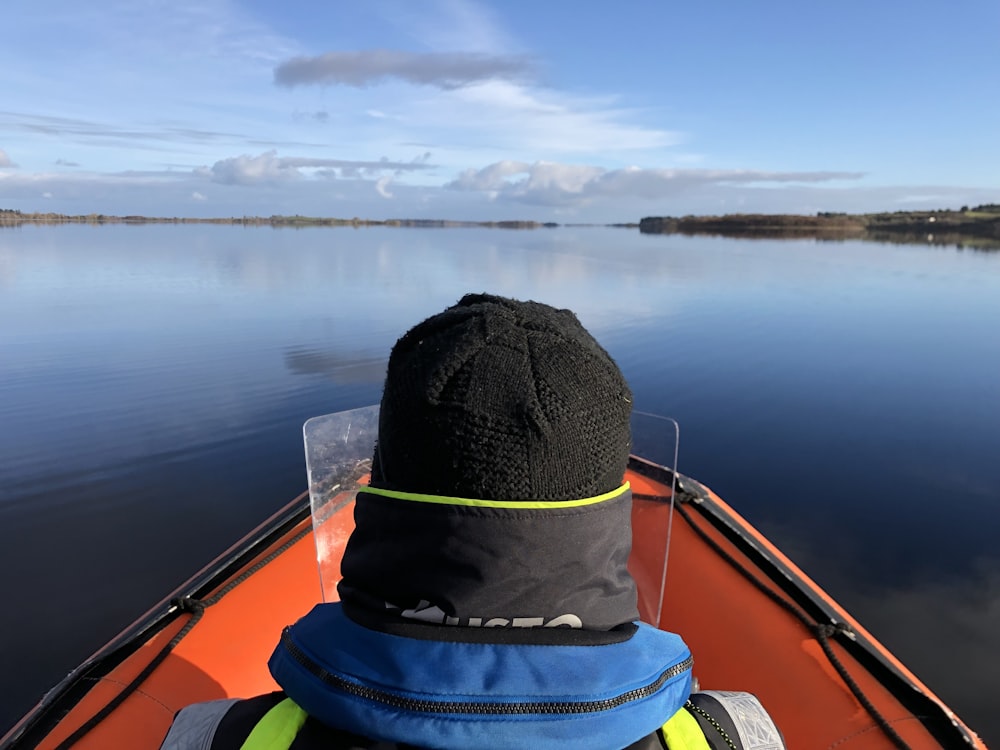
655 442
339 450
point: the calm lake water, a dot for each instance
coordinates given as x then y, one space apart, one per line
844 396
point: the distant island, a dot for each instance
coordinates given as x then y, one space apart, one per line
977 227
973 227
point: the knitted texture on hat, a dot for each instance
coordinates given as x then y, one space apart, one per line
499 399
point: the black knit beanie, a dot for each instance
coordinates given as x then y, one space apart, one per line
499 399
489 404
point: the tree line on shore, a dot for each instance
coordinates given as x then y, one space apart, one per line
11 217
975 227
978 226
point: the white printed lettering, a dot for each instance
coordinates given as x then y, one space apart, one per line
528 622
570 621
427 612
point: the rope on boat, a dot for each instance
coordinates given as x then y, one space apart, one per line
821 632
197 608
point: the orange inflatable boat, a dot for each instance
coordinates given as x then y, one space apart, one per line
757 623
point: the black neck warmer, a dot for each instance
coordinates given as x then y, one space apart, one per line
517 405
485 565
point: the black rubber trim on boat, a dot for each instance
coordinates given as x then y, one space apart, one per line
57 703
810 611
821 632
690 492
197 608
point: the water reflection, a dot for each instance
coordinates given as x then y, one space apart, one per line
965 619
337 367
154 381
942 624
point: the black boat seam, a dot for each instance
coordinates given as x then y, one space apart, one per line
494 708
861 732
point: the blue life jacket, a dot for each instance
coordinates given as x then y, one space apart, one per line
450 695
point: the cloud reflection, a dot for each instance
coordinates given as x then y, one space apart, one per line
937 624
342 369
962 631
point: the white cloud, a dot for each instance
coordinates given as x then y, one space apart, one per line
552 184
453 25
198 196
268 167
46 194
492 177
5 160
504 190
922 198
529 120
247 170
185 29
94 132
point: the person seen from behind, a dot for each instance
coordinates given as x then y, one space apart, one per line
485 598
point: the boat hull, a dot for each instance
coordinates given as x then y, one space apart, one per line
753 620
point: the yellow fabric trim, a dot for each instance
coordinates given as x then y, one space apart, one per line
518 504
276 729
682 732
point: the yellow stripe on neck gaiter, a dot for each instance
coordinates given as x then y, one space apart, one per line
513 504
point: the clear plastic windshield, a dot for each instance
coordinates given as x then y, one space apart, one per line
656 440
339 450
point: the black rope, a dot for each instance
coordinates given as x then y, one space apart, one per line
821 632
184 604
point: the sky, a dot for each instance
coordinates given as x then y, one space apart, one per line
472 110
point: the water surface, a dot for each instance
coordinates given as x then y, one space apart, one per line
154 379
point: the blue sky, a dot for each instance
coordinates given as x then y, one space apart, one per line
553 111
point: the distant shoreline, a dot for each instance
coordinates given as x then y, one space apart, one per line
10 217
978 227
980 222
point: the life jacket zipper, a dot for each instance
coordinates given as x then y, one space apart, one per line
479 707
